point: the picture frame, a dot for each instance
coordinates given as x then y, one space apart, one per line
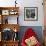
30 13
5 12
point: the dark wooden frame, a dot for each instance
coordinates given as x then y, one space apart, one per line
29 9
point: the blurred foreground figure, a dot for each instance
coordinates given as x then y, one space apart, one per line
30 38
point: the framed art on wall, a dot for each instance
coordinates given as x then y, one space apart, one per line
5 12
30 13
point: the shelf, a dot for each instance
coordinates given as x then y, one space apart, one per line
9 10
9 20
4 8
11 41
5 12
10 26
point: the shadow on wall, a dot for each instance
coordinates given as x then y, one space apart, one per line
37 29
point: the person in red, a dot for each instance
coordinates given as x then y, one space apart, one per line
30 38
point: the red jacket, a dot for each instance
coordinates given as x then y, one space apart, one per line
29 33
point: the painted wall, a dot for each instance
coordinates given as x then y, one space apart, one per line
32 3
26 3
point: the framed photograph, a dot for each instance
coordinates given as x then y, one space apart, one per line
30 13
5 12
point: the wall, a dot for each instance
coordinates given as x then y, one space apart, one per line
26 3
30 3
